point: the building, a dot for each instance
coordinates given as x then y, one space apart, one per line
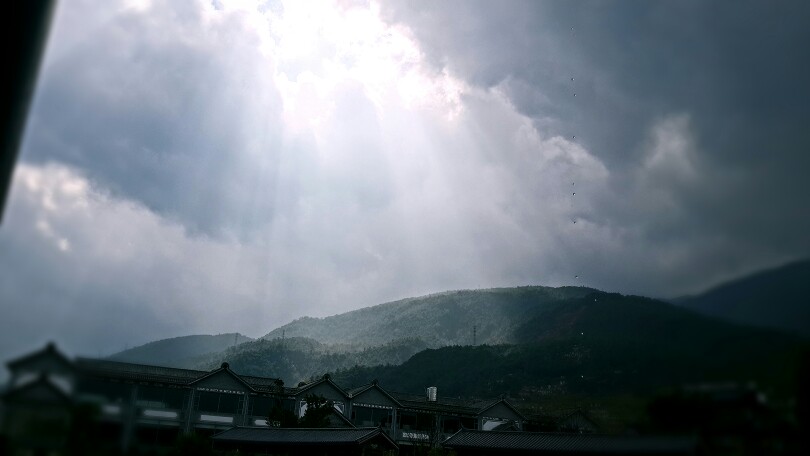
269 440
479 443
151 406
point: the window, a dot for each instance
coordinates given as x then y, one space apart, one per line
219 402
156 397
369 416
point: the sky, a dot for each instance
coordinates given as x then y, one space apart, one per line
202 167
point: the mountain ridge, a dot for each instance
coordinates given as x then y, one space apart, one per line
440 319
529 323
177 351
602 344
777 297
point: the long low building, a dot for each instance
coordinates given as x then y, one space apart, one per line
269 440
143 405
478 443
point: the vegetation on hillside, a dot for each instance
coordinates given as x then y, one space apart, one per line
296 359
177 351
542 347
439 319
776 298
601 344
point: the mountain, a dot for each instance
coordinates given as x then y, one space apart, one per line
777 298
528 340
177 351
298 358
597 345
441 319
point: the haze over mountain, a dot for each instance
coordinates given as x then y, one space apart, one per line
439 319
177 351
775 298
602 344
584 343
298 358
521 341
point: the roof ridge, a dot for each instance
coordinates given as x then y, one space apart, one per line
126 363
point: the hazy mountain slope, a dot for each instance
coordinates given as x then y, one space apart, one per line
297 359
534 326
176 351
777 298
602 344
439 319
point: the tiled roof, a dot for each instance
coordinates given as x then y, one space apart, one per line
359 389
362 389
41 382
137 372
299 436
487 406
570 443
169 375
439 407
267 385
450 401
260 381
446 404
49 351
325 379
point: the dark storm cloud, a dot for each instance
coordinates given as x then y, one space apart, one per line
200 169
735 70
155 105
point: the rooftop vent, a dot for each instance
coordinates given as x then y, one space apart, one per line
431 393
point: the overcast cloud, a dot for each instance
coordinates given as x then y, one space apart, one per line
205 167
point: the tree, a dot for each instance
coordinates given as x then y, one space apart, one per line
317 413
281 417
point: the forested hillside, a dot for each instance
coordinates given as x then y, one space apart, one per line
298 358
529 342
777 298
601 344
439 319
177 351
540 346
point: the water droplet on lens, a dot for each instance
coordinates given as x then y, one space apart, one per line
574 137
572 79
576 276
574 194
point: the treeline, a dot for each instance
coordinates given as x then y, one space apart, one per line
298 359
601 344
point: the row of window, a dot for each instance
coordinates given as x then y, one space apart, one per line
233 404
408 420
